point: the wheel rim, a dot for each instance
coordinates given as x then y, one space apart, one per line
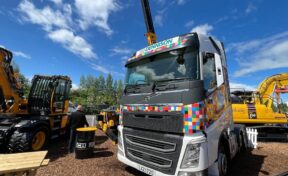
222 162
38 140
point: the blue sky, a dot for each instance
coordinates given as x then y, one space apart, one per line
81 37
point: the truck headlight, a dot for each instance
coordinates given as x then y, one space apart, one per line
120 144
191 156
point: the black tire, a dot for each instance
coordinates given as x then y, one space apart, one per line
243 145
22 141
112 134
19 142
223 159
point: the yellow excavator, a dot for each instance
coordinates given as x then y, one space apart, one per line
261 108
28 124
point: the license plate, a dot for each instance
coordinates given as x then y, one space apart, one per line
146 170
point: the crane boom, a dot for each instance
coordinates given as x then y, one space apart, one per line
276 83
150 34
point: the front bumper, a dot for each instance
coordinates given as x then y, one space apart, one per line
201 169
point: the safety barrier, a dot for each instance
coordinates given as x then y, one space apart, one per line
91 119
252 137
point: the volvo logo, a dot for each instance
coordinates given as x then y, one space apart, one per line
148 97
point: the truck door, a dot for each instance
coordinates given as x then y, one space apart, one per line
216 91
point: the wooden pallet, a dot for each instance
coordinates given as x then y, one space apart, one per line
22 163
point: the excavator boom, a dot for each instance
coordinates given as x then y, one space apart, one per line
273 84
255 108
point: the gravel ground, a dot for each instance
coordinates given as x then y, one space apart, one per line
268 159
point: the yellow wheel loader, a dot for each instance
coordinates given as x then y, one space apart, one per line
28 124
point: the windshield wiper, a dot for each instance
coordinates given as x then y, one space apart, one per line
134 88
165 87
174 79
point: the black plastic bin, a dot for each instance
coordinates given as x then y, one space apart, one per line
85 142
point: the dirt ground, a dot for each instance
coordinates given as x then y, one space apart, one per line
269 159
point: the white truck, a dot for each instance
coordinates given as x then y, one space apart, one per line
176 115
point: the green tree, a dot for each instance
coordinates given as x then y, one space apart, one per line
109 94
119 90
25 83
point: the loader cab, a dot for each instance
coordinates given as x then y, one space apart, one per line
49 95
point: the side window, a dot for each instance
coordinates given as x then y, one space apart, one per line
60 91
209 74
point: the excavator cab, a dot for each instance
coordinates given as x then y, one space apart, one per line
49 95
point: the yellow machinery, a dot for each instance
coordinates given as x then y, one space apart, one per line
11 92
257 109
108 120
28 124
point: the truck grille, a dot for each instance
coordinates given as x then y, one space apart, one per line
149 159
159 151
160 146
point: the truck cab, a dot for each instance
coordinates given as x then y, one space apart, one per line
175 112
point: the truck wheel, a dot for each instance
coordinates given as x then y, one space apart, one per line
223 160
242 144
26 141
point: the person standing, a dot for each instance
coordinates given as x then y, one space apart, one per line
77 120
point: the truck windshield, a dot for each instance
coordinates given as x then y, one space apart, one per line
168 66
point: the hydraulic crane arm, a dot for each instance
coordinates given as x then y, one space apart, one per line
151 36
273 84
10 88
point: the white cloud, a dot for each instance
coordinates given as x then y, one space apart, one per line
124 59
75 86
161 2
73 43
96 13
21 54
181 2
261 54
189 24
57 2
121 51
203 29
46 17
239 86
159 19
251 8
100 68
58 24
105 70
18 53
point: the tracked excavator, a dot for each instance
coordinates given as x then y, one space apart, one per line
255 108
28 124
